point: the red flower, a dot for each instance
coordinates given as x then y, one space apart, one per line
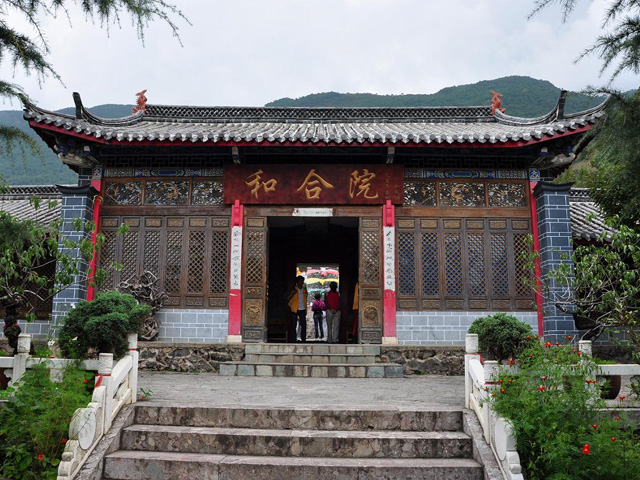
86 381
557 344
586 449
40 456
548 344
587 381
530 355
622 397
613 439
594 425
528 337
142 398
493 394
510 380
63 441
502 390
536 337
512 362
544 377
569 337
542 388
617 418
579 353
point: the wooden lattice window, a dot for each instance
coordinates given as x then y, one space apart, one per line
190 256
462 264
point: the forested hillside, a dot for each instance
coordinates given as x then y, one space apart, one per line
522 96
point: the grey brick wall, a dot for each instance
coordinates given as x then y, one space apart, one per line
183 325
77 202
556 248
445 328
37 329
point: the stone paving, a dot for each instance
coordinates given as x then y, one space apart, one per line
417 391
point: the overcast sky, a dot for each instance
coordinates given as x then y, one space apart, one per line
250 52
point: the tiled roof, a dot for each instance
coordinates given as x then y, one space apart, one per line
393 126
587 220
16 202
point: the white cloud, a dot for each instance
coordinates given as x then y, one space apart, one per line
249 52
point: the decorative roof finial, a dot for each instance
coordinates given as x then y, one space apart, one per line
496 103
141 102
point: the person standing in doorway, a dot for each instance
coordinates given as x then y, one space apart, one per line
298 305
333 313
318 307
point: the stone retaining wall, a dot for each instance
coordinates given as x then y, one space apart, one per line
417 359
187 357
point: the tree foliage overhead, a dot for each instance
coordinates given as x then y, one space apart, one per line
28 51
620 46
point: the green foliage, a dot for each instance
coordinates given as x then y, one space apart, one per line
34 423
557 416
620 43
522 96
502 336
27 248
102 324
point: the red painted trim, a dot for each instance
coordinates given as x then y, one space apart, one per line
229 143
536 248
235 295
389 300
97 203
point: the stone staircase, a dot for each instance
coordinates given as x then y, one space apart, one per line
196 442
311 360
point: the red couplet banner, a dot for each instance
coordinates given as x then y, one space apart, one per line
314 184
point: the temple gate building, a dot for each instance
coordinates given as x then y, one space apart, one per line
428 210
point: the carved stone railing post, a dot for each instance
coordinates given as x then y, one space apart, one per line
20 359
585 347
491 374
133 374
103 379
472 352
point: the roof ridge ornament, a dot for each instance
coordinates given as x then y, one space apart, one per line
141 102
496 103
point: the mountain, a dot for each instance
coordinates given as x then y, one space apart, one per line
521 96
28 168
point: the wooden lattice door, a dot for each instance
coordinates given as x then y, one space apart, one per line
254 290
371 275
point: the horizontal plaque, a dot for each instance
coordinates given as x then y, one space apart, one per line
312 212
314 184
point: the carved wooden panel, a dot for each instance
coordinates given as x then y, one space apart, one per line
189 256
406 223
473 266
429 223
109 222
370 302
507 195
419 193
255 279
463 194
520 224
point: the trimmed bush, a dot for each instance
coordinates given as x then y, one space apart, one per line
102 324
501 336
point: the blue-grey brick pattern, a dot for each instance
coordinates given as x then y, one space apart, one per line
556 248
37 329
445 328
77 202
196 325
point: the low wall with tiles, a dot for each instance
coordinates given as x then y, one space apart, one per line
193 326
38 329
445 328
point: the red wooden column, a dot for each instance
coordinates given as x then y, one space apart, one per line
536 249
235 274
96 182
389 336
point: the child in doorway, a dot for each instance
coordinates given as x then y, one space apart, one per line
317 307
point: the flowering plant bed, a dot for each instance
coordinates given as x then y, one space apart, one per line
554 408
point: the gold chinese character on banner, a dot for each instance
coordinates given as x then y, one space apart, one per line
257 183
359 185
313 185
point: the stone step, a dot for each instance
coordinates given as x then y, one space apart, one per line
373 370
329 358
312 348
296 443
301 418
135 465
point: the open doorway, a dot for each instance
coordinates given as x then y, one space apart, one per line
298 245
317 280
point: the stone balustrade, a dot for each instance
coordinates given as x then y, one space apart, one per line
115 386
482 378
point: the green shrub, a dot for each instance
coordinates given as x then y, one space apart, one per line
34 423
562 430
502 336
102 324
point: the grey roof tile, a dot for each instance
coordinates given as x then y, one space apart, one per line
16 203
587 220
